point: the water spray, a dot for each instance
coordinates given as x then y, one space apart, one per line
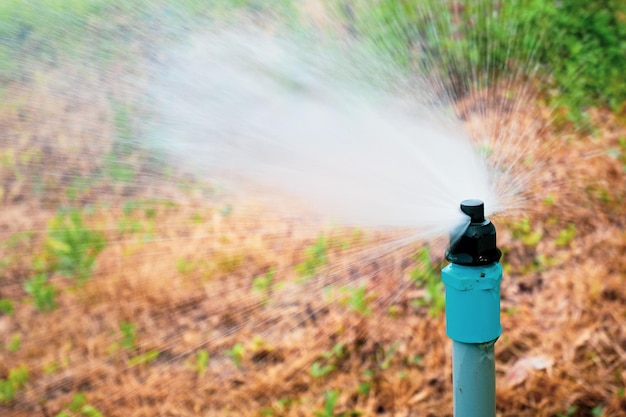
472 282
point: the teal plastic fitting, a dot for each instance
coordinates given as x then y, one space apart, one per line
473 302
472 282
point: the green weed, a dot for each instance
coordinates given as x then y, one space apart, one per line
144 358
128 330
330 402
127 337
72 247
570 411
316 257
364 387
263 284
237 353
199 363
184 266
6 306
43 293
15 246
120 171
15 342
318 370
15 381
388 356
566 236
597 411
79 407
523 231
415 360
127 225
427 275
337 351
50 367
549 200
129 334
356 299
135 220
330 361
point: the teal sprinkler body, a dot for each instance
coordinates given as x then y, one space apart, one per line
473 312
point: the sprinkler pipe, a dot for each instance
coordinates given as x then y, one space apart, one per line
472 281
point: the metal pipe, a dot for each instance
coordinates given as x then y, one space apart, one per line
473 312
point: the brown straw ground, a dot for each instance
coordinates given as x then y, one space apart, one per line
180 271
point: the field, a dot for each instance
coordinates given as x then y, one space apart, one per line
129 287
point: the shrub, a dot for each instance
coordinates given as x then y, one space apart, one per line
585 51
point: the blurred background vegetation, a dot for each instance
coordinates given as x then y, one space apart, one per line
575 49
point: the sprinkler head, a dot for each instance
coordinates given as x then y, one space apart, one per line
476 245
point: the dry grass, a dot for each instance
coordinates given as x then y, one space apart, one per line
182 273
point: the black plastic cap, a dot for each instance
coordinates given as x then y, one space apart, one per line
475 209
477 244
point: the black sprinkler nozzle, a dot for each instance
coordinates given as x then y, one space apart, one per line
476 245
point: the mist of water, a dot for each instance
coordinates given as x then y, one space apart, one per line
247 107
